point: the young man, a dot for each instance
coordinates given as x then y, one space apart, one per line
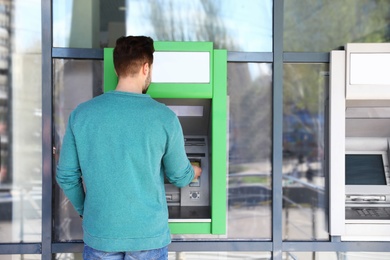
119 145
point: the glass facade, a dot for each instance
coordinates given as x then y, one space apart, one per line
234 25
322 26
20 122
304 183
75 81
20 257
195 256
250 147
249 188
261 222
336 255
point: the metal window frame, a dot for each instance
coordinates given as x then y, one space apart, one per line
47 133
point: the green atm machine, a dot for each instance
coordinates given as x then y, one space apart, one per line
191 79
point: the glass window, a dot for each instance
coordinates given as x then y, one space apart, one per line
250 149
219 255
364 255
75 81
231 24
304 191
68 256
194 256
21 257
260 255
321 26
249 194
336 255
20 121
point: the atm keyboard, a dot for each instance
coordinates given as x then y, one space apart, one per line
367 213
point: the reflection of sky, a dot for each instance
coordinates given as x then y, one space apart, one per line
27 25
62 21
259 69
248 23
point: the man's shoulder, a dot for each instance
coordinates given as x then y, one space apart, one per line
89 106
92 102
163 109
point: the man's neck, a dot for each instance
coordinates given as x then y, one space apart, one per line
129 84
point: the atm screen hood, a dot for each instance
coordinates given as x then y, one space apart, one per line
193 114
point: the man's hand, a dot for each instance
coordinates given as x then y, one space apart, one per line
197 170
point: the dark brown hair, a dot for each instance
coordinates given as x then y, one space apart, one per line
132 52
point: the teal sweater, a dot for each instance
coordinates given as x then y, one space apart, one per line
119 145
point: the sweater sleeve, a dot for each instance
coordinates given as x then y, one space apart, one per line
69 176
177 167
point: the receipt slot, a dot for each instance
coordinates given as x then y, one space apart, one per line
359 137
191 79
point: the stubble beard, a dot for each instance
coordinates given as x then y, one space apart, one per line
148 80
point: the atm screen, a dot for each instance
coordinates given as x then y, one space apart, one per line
364 169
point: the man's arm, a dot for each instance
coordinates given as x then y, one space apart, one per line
177 166
69 174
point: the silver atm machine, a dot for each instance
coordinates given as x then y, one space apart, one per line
192 201
359 142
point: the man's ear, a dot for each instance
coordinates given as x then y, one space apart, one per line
145 68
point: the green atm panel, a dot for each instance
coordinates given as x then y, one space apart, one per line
191 79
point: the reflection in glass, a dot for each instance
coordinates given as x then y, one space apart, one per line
321 26
75 81
249 195
312 255
364 255
250 120
304 196
234 25
21 257
336 255
194 256
20 122
219 255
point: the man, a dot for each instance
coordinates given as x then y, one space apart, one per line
119 145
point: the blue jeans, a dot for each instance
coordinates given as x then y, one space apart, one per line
155 254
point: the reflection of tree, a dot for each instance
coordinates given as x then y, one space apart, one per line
250 100
321 26
189 21
250 115
326 25
214 29
304 99
302 87
256 114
